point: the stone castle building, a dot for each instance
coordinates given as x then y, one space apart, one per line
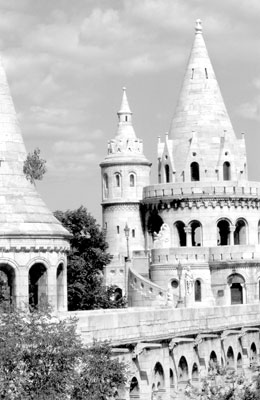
186 251
193 236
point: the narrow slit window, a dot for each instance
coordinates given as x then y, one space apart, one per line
117 229
206 73
133 233
126 118
192 73
117 180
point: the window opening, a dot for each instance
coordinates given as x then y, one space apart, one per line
226 171
133 233
197 289
181 234
195 171
167 173
117 229
117 180
192 73
240 233
206 73
223 233
132 180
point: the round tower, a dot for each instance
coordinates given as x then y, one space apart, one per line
125 171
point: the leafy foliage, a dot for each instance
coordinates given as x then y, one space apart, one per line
34 167
86 260
42 358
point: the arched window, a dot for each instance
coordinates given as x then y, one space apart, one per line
167 173
154 223
195 373
226 171
253 354
117 177
194 171
223 227
196 233
239 361
131 180
240 232
158 379
180 233
60 281
197 290
105 178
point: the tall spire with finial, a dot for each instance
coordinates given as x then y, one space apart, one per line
125 127
200 109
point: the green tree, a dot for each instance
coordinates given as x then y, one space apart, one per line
34 167
86 261
42 357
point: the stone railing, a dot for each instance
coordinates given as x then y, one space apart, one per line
202 189
132 325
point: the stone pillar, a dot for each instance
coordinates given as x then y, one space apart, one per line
188 231
232 230
52 286
22 288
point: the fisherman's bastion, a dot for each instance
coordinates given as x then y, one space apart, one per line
186 250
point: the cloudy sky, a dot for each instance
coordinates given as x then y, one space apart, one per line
67 61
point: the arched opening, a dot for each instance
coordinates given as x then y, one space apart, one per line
240 236
172 384
154 223
131 180
118 180
196 233
7 287
183 372
38 286
213 361
223 227
194 171
230 358
60 280
118 294
226 171
253 354
180 233
134 391
195 373
239 362
158 378
236 283
167 173
197 290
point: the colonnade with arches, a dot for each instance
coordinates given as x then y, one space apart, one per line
34 285
188 362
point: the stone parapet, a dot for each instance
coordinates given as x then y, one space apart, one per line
159 192
193 255
133 325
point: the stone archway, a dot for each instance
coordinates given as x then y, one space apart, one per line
158 379
38 296
7 287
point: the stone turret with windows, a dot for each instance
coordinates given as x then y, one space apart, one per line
202 218
125 171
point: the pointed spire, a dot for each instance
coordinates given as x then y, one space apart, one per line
22 212
125 128
200 107
124 109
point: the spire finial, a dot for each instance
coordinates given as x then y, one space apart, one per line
198 26
124 109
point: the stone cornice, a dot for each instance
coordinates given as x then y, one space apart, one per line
190 202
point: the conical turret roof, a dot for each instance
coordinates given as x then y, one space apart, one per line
22 211
200 109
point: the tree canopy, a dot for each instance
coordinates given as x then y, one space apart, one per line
86 261
34 167
43 358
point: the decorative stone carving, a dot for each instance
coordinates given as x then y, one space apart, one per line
163 238
189 280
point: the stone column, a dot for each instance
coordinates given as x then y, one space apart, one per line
232 230
188 231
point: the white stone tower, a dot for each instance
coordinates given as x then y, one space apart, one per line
125 171
33 243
